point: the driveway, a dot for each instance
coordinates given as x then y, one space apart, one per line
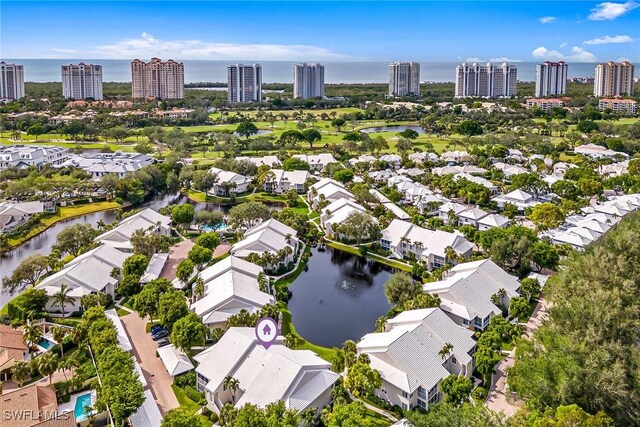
144 348
500 399
177 253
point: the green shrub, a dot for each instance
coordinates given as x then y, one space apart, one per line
193 394
186 380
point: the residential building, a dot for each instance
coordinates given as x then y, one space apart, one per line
551 78
621 106
486 80
404 79
467 292
271 161
308 81
22 156
299 378
392 160
337 212
408 356
244 83
157 79
471 216
147 220
455 170
33 406
82 81
456 156
174 360
280 181
521 199
423 157
273 237
119 163
11 81
12 350
86 274
230 285
228 183
327 190
448 212
596 151
613 79
493 221
545 104
13 215
317 162
404 239
389 205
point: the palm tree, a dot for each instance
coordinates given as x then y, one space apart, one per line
270 310
21 371
445 351
232 385
381 324
198 289
62 298
78 333
308 416
31 334
291 341
58 333
47 364
227 415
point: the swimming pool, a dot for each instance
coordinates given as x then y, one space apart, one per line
83 401
46 344
219 227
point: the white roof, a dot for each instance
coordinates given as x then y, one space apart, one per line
407 354
494 220
269 236
123 338
265 375
175 360
228 176
433 242
468 289
147 415
474 213
293 177
89 272
316 159
270 161
156 264
120 236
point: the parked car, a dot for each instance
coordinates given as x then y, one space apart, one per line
159 335
163 342
156 328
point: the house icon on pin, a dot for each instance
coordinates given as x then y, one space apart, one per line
266 330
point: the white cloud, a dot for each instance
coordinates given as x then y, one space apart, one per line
504 59
563 45
608 11
147 46
609 39
475 59
547 19
578 54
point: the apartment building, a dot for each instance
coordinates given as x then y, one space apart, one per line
308 81
621 106
11 81
545 104
404 79
486 80
551 78
157 79
244 83
613 79
82 81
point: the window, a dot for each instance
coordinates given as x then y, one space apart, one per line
422 404
404 394
404 406
453 360
422 393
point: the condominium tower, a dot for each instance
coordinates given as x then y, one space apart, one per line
486 80
404 79
157 79
81 81
11 81
613 79
308 81
244 83
551 79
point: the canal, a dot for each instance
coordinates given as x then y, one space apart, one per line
339 298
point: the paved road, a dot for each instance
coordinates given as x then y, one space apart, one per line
144 348
500 399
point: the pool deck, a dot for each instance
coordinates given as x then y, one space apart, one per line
71 405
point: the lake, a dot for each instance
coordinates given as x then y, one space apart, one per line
339 298
394 128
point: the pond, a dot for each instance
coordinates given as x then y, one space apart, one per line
393 128
339 298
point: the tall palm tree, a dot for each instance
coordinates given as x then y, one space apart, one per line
31 334
232 385
445 351
21 371
47 364
270 310
62 298
78 333
198 289
291 341
58 333
381 324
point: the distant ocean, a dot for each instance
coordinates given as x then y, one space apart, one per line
48 70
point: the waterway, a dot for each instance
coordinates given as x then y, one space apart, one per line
42 243
393 128
339 298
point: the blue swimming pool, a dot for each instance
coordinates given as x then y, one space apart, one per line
46 344
83 401
219 227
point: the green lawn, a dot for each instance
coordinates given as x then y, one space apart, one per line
192 406
63 213
376 420
375 257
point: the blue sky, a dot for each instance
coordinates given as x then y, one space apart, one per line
576 31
